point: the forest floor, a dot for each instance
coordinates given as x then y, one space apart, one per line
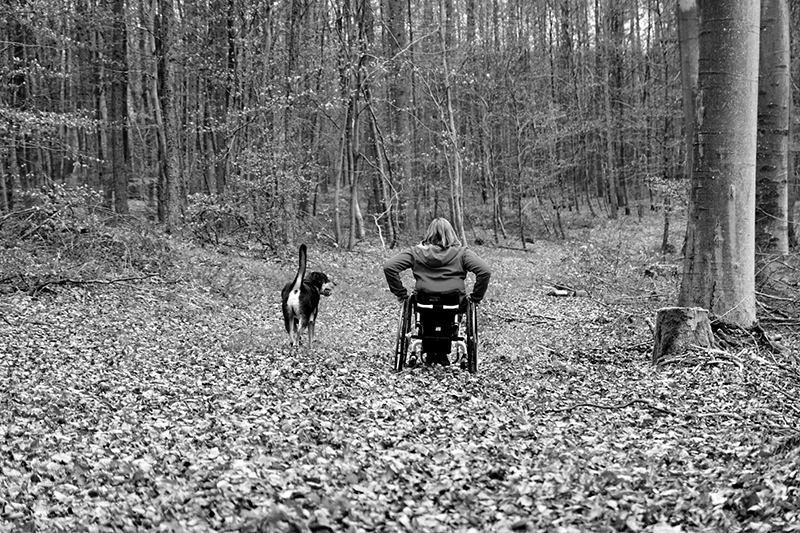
147 385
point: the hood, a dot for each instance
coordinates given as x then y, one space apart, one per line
434 255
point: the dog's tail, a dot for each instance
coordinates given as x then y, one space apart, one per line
301 270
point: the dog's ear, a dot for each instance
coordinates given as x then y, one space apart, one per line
318 278
322 282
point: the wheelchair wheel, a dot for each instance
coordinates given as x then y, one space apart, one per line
472 337
403 329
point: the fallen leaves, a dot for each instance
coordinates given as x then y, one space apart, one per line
180 408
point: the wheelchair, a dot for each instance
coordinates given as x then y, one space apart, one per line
434 326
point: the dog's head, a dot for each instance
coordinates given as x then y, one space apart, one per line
322 282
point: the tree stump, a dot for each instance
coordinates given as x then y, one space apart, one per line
679 328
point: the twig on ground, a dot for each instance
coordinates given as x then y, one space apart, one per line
782 321
776 297
545 348
644 345
67 281
718 413
514 248
649 405
619 406
520 319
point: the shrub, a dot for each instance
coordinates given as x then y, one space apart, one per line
66 233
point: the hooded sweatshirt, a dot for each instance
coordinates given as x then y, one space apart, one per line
438 269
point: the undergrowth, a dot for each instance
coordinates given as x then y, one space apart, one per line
65 235
172 402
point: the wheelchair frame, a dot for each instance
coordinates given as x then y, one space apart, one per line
410 337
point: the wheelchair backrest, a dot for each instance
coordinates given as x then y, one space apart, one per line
439 300
437 313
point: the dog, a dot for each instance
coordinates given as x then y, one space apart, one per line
300 300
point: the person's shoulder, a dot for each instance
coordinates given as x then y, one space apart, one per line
400 256
466 250
472 255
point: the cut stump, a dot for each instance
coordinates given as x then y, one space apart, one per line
679 328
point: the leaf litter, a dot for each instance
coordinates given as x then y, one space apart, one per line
175 404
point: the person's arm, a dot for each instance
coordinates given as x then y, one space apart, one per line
392 268
479 267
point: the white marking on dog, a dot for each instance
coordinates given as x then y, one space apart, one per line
293 302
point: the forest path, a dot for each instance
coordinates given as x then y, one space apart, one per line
180 406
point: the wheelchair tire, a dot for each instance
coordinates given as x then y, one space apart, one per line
472 337
402 341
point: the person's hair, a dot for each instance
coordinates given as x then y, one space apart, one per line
441 233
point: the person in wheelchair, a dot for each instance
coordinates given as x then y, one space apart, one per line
440 264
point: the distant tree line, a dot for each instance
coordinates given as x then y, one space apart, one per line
349 116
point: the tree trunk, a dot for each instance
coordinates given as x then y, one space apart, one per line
689 52
381 179
454 167
397 32
171 161
794 192
610 168
679 329
774 99
155 48
352 156
665 246
718 269
118 108
4 204
104 158
794 179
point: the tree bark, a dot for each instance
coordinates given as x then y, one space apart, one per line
679 329
118 108
794 192
454 166
396 33
718 269
610 167
688 28
774 98
171 161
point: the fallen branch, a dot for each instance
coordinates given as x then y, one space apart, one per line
68 281
519 319
649 405
545 348
776 297
516 249
719 413
787 321
619 406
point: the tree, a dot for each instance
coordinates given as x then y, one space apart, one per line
718 269
398 88
447 113
170 159
504 103
118 109
794 179
774 96
689 53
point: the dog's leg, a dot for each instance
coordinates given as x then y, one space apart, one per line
287 319
311 325
291 328
302 327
